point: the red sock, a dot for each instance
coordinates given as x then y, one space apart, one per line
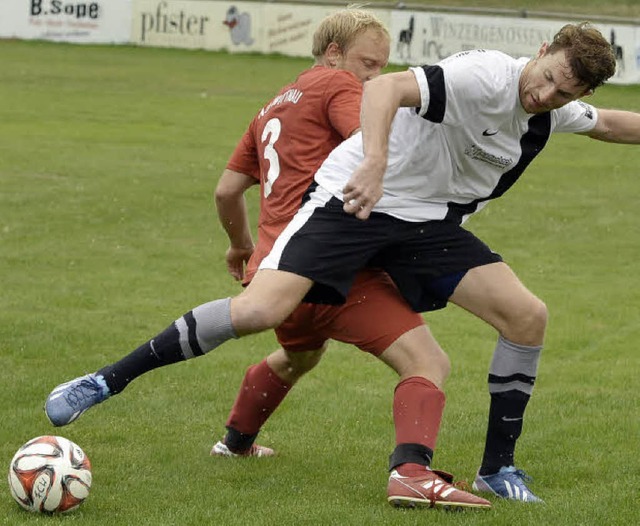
260 394
417 412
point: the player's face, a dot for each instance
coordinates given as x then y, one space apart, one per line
367 55
547 83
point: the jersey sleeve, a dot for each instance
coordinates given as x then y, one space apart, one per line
344 96
461 86
244 158
575 117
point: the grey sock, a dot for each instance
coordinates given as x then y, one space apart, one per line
205 327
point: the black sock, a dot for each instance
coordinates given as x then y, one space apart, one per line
238 442
197 332
164 349
410 454
505 425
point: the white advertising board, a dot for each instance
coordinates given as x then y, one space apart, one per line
91 21
424 38
417 37
232 26
188 24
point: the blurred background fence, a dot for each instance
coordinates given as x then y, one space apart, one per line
421 33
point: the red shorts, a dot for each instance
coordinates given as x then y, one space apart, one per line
374 316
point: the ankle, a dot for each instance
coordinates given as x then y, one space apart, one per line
238 442
410 469
106 392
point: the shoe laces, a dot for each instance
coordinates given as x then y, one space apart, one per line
517 476
87 389
521 474
462 485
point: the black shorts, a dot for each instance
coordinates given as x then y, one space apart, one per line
426 260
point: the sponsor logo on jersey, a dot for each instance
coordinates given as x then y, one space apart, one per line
588 113
475 152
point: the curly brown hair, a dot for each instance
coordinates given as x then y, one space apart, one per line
590 55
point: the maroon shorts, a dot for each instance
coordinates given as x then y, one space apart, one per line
374 316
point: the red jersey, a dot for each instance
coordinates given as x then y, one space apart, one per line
288 140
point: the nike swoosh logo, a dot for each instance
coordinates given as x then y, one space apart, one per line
507 419
489 133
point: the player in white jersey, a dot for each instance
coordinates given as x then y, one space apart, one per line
416 234
446 139
467 142
449 138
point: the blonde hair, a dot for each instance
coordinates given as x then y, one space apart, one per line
342 27
589 54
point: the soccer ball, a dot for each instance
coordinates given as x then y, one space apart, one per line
50 474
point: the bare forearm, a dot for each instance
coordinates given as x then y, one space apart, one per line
233 217
379 106
617 126
382 98
232 207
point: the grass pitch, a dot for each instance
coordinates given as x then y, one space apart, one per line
108 160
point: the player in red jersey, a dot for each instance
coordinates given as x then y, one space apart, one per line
285 144
350 47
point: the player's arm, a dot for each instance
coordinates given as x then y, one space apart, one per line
381 99
233 216
616 126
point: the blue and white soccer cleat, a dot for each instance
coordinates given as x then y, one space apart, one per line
70 399
509 483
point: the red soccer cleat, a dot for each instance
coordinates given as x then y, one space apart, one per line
433 489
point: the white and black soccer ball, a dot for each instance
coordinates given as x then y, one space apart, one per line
50 474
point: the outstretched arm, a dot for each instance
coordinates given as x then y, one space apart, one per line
381 99
232 213
617 126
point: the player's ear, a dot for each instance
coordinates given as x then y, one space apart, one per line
543 49
333 54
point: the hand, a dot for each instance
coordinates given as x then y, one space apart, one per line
364 188
236 260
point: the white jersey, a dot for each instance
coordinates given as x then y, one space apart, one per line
467 143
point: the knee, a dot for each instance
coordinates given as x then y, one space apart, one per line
527 323
249 316
302 362
439 368
445 365
418 354
435 366
290 367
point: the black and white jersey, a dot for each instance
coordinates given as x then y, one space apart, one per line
466 144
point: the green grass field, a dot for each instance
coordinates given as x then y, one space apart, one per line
108 160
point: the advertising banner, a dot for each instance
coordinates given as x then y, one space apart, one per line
94 21
231 26
417 37
288 28
424 38
188 24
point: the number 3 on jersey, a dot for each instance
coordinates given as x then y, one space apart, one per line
271 133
